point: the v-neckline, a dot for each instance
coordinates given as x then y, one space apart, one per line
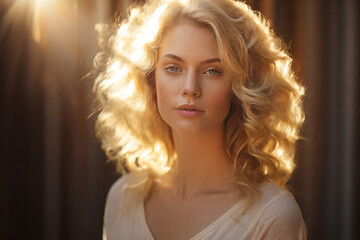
202 233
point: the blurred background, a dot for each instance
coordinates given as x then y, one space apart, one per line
54 176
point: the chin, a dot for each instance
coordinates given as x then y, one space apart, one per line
195 128
189 130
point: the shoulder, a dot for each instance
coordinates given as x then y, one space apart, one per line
123 188
122 194
118 187
123 198
274 215
115 197
123 207
281 216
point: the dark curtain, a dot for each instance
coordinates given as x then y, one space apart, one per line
53 174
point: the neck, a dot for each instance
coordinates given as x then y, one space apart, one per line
202 163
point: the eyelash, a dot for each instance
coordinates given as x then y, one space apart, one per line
171 69
174 69
217 72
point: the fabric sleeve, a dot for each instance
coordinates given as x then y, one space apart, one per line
113 200
282 220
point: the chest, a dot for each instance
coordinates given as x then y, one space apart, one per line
183 219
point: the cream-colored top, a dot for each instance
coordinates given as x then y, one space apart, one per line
276 215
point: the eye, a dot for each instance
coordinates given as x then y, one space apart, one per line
172 69
212 71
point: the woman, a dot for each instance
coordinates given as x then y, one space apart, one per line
200 110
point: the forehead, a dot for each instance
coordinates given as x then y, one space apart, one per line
185 37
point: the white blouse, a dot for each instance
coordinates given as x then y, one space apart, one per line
276 215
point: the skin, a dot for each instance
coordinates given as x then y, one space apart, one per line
200 188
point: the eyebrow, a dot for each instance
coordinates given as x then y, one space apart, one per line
207 61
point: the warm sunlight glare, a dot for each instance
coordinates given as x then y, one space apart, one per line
43 2
39 7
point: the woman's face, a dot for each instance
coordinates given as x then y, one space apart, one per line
193 95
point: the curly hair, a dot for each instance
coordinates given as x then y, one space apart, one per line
266 109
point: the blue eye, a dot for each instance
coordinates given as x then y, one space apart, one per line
173 69
212 72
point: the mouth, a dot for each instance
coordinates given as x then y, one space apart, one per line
190 107
190 111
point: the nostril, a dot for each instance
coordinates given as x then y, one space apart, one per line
196 92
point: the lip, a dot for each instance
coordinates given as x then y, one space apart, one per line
189 110
189 107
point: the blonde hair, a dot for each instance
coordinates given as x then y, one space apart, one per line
266 110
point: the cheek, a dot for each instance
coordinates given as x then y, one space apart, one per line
163 93
159 87
161 97
221 100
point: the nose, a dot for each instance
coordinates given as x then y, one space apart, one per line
191 87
